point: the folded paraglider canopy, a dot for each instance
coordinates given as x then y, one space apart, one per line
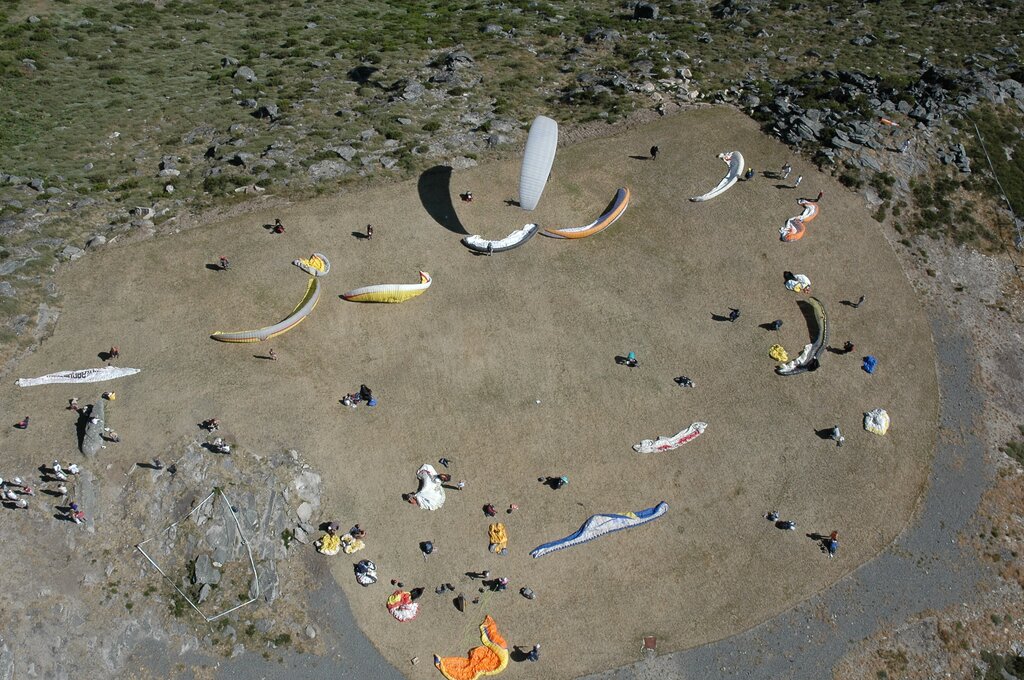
366 573
795 227
329 544
430 495
876 421
401 606
490 658
778 352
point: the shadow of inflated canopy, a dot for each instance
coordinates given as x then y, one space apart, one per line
434 188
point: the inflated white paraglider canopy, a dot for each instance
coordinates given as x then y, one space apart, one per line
537 160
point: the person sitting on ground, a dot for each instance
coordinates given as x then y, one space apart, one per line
467 197
210 424
631 360
220 446
357 532
278 227
73 404
684 381
114 352
365 393
776 325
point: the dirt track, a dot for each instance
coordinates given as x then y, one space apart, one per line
459 369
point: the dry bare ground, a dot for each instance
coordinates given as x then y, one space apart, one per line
458 372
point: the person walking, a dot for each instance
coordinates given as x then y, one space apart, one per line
654 152
534 654
278 227
837 436
820 194
786 170
369 232
832 544
858 303
272 354
224 263
799 178
749 175
733 314
22 424
775 325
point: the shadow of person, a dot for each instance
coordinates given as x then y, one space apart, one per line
84 416
768 326
719 317
360 235
434 187
825 433
518 655
641 158
214 267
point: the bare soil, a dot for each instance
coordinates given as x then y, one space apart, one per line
458 372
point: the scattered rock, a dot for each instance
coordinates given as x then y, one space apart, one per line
96 241
645 10
328 169
71 253
246 74
268 110
205 572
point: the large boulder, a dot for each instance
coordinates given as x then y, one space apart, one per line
246 73
645 10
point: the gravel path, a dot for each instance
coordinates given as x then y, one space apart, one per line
924 569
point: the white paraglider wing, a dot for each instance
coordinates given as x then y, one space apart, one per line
537 160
